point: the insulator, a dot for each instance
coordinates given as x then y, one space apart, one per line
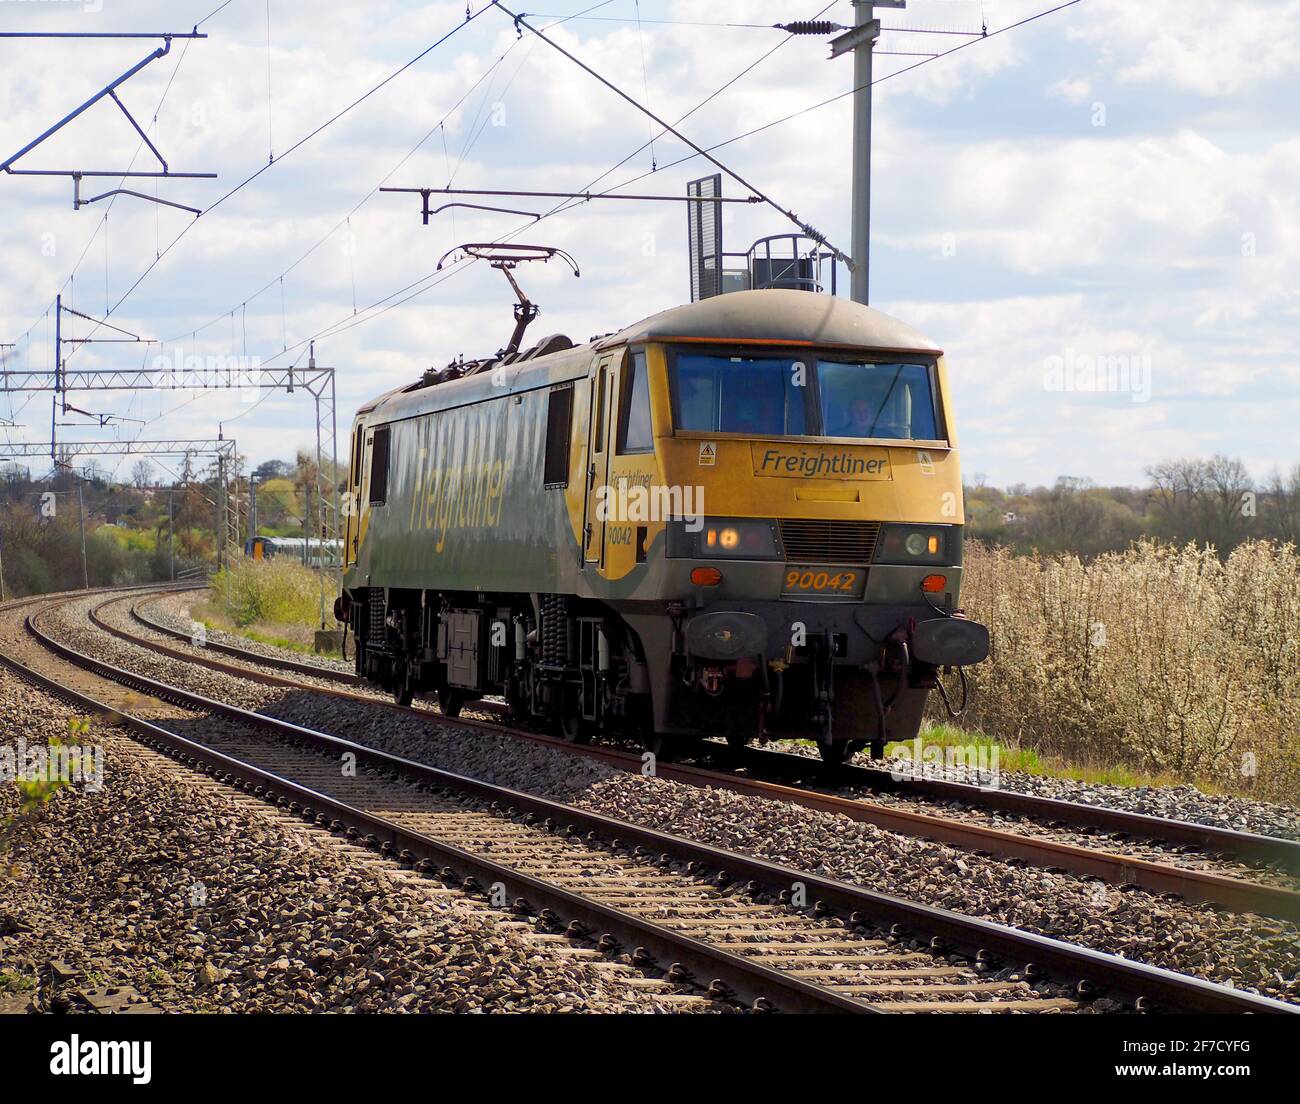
810 27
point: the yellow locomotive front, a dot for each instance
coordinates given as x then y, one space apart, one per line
812 584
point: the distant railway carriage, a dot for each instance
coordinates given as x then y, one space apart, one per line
740 517
316 554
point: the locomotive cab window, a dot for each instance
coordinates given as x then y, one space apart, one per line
379 467
634 433
559 419
893 401
763 396
794 395
359 443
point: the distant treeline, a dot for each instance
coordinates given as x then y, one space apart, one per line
134 530
1210 502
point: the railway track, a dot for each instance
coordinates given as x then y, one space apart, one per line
768 774
696 917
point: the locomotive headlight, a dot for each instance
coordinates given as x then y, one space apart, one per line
723 538
919 544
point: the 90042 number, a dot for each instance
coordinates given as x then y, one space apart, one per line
823 582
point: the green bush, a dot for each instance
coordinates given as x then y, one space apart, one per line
268 591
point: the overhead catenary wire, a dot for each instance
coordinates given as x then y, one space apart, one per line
214 11
429 281
810 231
243 307
844 95
425 283
476 129
560 207
343 221
440 126
296 146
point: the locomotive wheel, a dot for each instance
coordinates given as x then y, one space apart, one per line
570 722
403 690
840 752
572 726
656 743
737 740
450 699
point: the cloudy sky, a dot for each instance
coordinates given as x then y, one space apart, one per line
1112 184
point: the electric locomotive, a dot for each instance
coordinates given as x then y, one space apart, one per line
741 517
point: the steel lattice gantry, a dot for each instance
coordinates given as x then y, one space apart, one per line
21 449
228 505
213 373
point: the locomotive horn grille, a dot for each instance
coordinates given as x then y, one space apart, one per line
813 540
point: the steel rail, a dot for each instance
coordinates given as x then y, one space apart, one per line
729 975
1236 894
791 766
1208 837
720 972
1140 983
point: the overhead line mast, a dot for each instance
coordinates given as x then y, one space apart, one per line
862 40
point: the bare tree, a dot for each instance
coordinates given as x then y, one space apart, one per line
1205 501
1067 516
1282 503
1231 507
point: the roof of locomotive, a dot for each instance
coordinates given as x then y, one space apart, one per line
775 315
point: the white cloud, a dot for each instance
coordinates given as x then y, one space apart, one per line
1071 89
1196 46
1170 232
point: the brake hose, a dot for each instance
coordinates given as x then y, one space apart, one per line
943 693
